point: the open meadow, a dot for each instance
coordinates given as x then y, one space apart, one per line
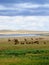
24 51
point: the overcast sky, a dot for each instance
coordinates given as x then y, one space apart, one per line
24 15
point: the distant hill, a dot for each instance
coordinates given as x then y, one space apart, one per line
22 32
5 30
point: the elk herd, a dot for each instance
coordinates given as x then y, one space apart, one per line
26 41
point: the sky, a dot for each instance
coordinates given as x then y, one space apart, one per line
24 15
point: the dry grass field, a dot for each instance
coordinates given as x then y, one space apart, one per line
24 51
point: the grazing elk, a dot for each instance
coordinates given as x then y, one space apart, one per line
29 43
26 42
22 42
36 42
44 42
16 41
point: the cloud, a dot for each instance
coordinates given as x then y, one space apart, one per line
24 14
31 5
24 9
24 22
19 6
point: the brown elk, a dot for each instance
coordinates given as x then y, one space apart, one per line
36 42
26 42
22 42
44 42
16 41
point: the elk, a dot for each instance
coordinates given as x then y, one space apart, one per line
16 41
36 42
22 42
26 42
44 42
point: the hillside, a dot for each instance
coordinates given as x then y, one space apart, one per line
22 32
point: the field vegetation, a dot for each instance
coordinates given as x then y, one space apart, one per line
24 51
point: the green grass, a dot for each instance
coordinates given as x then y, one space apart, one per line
22 52
24 57
25 60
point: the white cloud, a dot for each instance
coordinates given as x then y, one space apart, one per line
24 9
22 6
24 22
30 5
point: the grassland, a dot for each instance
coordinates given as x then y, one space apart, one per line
24 54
